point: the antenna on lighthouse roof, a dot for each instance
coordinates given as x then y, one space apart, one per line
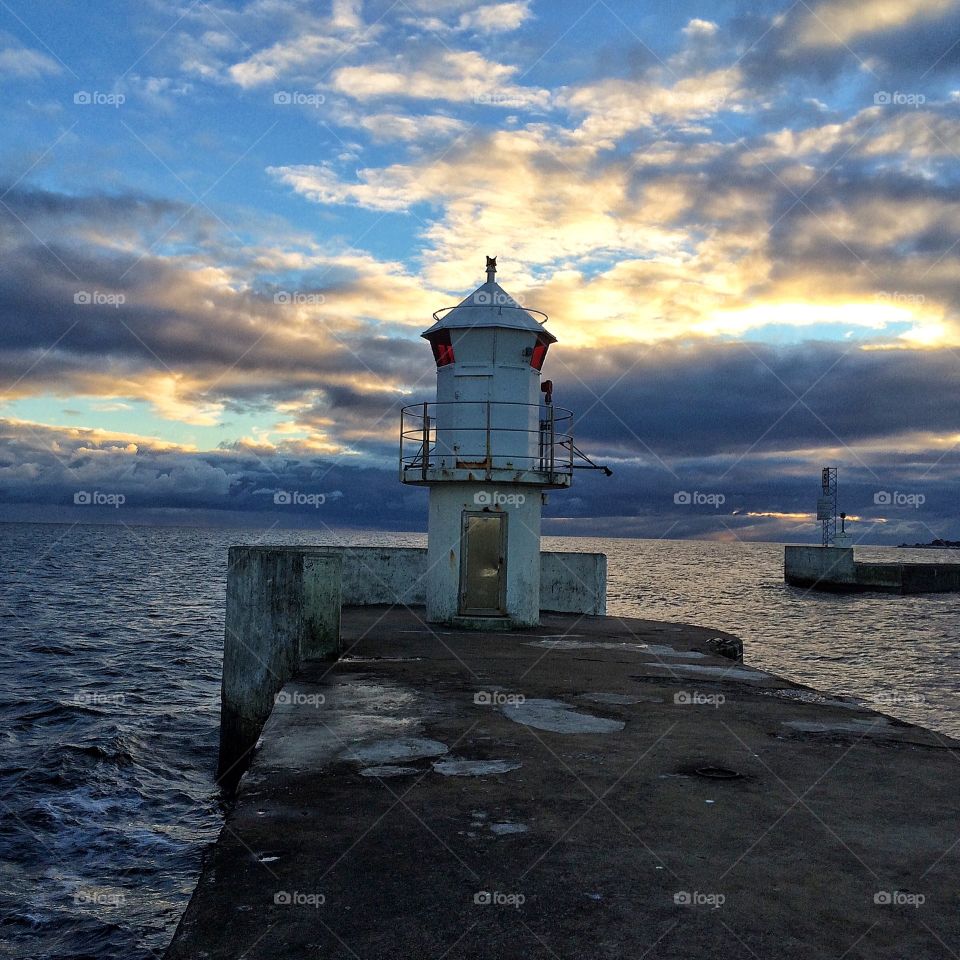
491 268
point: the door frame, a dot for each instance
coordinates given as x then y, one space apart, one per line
462 609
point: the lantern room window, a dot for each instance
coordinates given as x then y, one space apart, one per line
442 348
539 352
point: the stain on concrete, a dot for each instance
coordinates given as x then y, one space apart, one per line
388 771
657 649
401 748
559 717
626 699
811 696
721 673
505 829
474 768
568 644
876 724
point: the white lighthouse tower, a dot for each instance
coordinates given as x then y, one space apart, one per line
488 448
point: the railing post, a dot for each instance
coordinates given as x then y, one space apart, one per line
553 439
489 462
541 459
425 452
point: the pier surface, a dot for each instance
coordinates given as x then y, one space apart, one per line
598 787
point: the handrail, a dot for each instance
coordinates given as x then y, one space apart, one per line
500 306
550 450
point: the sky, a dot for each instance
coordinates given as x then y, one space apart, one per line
225 225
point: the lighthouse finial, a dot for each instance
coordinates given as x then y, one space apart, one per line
491 268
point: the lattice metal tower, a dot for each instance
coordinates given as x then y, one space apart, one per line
827 504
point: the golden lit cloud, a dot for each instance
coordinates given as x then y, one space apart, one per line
839 22
453 76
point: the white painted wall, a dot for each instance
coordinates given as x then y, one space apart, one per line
489 366
521 505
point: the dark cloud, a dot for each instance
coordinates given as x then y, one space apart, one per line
918 55
721 421
724 399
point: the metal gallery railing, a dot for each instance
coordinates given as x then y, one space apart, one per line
485 436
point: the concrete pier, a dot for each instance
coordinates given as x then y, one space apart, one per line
835 569
283 606
595 787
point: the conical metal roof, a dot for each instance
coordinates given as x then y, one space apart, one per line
489 306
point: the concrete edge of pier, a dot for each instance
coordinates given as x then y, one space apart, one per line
836 569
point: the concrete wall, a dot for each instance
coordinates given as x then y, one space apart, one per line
372 575
573 583
834 568
569 582
886 577
805 566
909 577
283 605
930 577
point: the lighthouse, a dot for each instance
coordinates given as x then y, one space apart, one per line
488 448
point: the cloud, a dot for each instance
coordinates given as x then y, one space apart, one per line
699 28
839 45
456 76
27 64
669 208
679 239
614 107
668 419
840 22
286 56
495 17
87 308
385 127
